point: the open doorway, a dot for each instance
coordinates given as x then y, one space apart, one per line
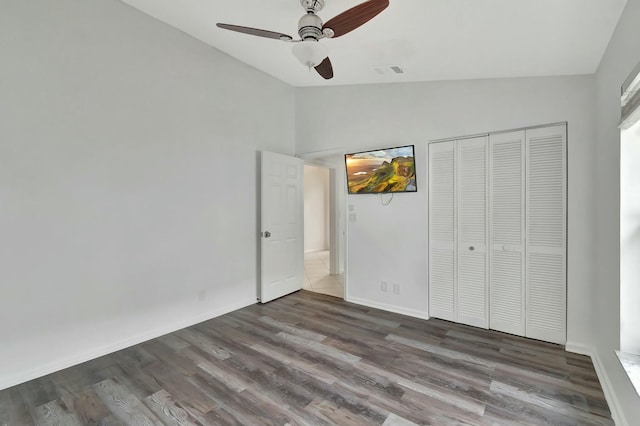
323 235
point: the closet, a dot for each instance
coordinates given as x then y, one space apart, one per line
497 231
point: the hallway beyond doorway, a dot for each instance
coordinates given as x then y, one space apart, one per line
317 277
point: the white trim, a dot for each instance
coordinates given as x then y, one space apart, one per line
616 411
314 155
578 348
415 313
316 250
334 223
630 364
61 364
560 123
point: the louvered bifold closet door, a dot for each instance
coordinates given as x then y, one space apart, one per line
506 232
442 232
546 234
471 189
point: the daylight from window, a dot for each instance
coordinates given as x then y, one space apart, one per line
630 239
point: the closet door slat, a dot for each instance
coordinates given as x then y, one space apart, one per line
506 224
442 231
471 188
545 234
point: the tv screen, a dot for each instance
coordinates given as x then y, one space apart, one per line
381 171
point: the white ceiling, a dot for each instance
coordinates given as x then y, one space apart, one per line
430 39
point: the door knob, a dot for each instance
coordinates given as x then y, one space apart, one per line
267 234
472 248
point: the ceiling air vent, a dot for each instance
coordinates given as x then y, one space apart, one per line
389 69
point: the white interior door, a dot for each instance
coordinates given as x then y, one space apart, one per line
506 232
282 225
546 213
442 231
471 188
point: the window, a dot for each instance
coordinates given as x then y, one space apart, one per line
630 239
630 228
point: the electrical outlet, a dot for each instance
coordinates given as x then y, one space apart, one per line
383 286
396 288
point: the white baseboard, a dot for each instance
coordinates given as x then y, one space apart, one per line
609 394
579 348
96 352
391 308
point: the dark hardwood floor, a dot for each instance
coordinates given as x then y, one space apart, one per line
311 359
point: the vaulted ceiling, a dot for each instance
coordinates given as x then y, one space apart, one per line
428 39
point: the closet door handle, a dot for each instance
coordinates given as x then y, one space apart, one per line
472 248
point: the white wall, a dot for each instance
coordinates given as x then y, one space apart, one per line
128 155
622 55
390 243
316 208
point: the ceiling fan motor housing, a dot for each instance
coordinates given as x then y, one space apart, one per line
310 27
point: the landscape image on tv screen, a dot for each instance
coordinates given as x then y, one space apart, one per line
380 171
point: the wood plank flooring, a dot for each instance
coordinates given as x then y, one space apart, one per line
310 359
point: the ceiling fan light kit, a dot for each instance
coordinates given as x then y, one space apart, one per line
310 53
311 29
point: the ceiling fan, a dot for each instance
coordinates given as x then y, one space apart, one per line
311 29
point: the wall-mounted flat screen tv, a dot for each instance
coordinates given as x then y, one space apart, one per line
388 170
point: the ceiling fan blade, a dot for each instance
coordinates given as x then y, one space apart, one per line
356 16
255 32
325 69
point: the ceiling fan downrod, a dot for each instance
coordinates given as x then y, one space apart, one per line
312 6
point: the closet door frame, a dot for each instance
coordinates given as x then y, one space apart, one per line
525 328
